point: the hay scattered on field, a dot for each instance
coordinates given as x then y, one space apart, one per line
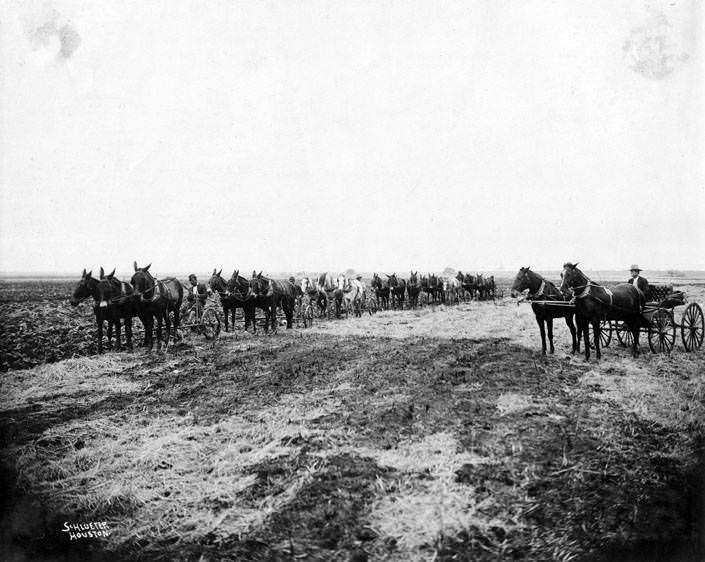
668 401
422 510
169 477
97 375
512 402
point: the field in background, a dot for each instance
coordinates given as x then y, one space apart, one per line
432 434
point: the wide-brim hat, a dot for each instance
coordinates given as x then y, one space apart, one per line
634 267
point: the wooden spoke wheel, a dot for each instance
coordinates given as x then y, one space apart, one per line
210 323
605 333
624 335
692 327
662 331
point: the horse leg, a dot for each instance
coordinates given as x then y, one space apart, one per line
635 329
571 327
99 322
118 338
584 327
542 329
109 320
289 313
167 322
549 323
128 331
596 335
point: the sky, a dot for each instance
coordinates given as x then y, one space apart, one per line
324 135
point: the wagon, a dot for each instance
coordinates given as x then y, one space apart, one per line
203 319
659 322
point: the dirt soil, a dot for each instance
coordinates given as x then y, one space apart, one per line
440 433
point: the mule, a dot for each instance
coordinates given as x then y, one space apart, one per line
352 295
234 293
381 289
398 290
413 289
595 303
157 299
88 287
270 295
542 289
121 303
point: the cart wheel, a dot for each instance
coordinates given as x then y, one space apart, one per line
624 335
211 324
605 333
662 331
692 327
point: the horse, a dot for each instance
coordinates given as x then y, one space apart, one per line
271 294
240 294
157 298
352 295
451 290
330 286
429 285
542 289
310 289
88 287
594 303
231 297
121 303
413 289
398 289
381 289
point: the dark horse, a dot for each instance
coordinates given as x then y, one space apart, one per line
271 294
88 287
157 299
121 302
594 303
398 288
381 289
542 289
234 294
413 289
430 286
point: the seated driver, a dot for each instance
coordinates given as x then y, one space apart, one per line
197 290
638 281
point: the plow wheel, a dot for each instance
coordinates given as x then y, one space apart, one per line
624 335
211 324
692 327
605 333
662 331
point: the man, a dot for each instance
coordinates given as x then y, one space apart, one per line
197 290
638 281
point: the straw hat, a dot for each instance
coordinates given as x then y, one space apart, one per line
634 267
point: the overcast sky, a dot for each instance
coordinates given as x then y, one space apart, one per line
374 135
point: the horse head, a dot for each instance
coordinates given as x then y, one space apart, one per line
85 288
217 283
104 290
572 277
522 281
143 282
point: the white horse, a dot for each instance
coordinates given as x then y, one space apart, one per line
451 290
352 294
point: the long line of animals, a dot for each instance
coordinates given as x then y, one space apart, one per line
157 301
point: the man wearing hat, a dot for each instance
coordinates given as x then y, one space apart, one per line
638 281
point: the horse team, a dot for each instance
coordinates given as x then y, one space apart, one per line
580 298
159 301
